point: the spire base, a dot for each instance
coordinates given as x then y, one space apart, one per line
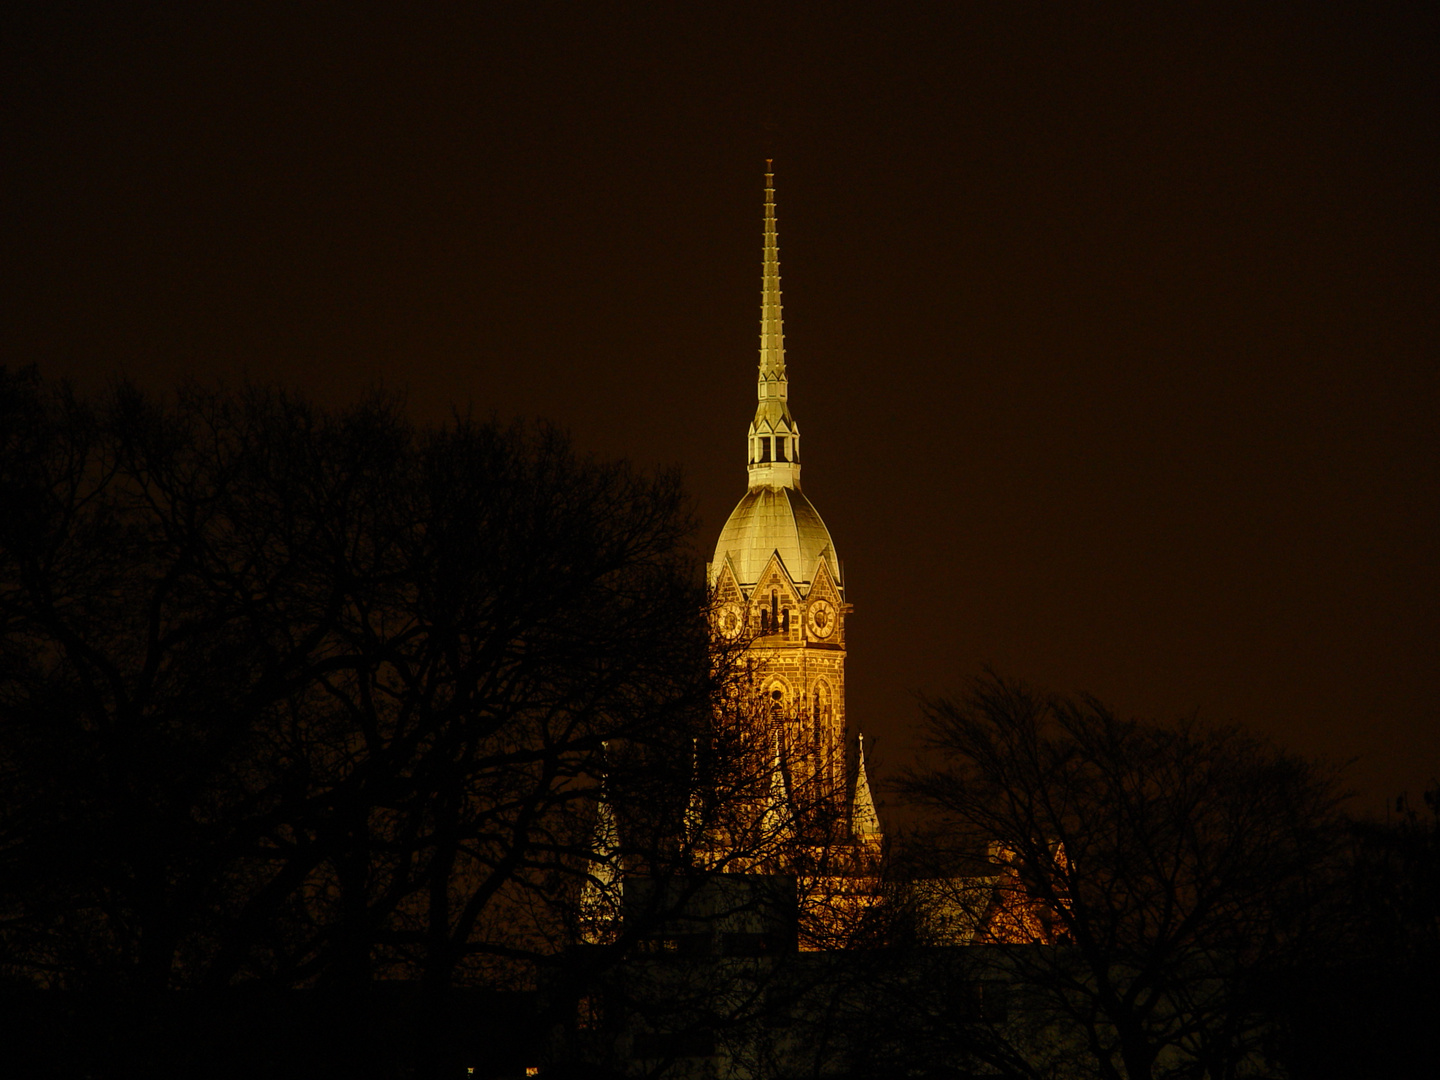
775 474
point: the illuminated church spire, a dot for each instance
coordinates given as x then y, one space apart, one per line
774 440
776 576
864 822
772 333
600 895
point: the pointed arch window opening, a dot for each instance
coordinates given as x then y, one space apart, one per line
775 619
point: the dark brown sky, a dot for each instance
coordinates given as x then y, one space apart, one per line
1112 332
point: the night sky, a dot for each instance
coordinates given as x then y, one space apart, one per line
1111 331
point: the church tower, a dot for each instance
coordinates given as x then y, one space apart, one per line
776 580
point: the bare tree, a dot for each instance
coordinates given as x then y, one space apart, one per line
1361 1001
1156 876
302 698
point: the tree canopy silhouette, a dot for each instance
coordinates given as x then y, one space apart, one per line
305 697
1161 875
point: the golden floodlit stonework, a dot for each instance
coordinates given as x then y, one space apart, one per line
776 579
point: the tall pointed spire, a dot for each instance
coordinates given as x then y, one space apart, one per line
695 809
600 895
772 332
774 440
864 822
776 823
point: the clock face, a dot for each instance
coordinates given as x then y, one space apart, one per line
730 620
822 618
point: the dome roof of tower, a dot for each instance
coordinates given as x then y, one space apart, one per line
774 519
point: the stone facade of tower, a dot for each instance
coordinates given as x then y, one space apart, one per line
796 661
776 580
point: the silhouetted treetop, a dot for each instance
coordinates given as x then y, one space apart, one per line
1165 872
312 696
